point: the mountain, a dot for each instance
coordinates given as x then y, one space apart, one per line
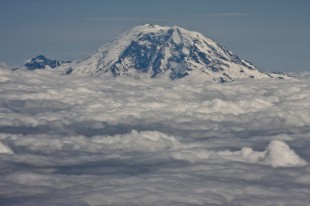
41 62
166 52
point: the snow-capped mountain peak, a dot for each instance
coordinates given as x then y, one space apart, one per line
41 62
169 52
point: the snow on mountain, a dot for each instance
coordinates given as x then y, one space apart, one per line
166 52
41 62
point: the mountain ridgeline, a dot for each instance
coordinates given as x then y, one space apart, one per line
152 51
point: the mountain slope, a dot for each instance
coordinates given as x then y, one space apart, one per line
169 52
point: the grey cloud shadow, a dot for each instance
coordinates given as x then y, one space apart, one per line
34 106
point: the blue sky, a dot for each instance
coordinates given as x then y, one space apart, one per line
273 34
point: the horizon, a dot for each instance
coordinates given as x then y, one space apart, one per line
66 30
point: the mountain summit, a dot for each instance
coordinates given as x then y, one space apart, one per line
169 52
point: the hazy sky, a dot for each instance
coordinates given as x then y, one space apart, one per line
272 34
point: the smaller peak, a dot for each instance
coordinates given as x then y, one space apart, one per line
40 62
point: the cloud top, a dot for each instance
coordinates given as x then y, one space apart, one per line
71 140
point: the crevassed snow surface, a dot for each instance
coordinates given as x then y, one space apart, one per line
72 140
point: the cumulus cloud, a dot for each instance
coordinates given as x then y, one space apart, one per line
280 155
69 140
276 154
5 149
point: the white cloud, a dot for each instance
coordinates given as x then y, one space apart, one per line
68 140
5 149
277 154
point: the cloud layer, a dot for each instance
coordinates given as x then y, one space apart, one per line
98 141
